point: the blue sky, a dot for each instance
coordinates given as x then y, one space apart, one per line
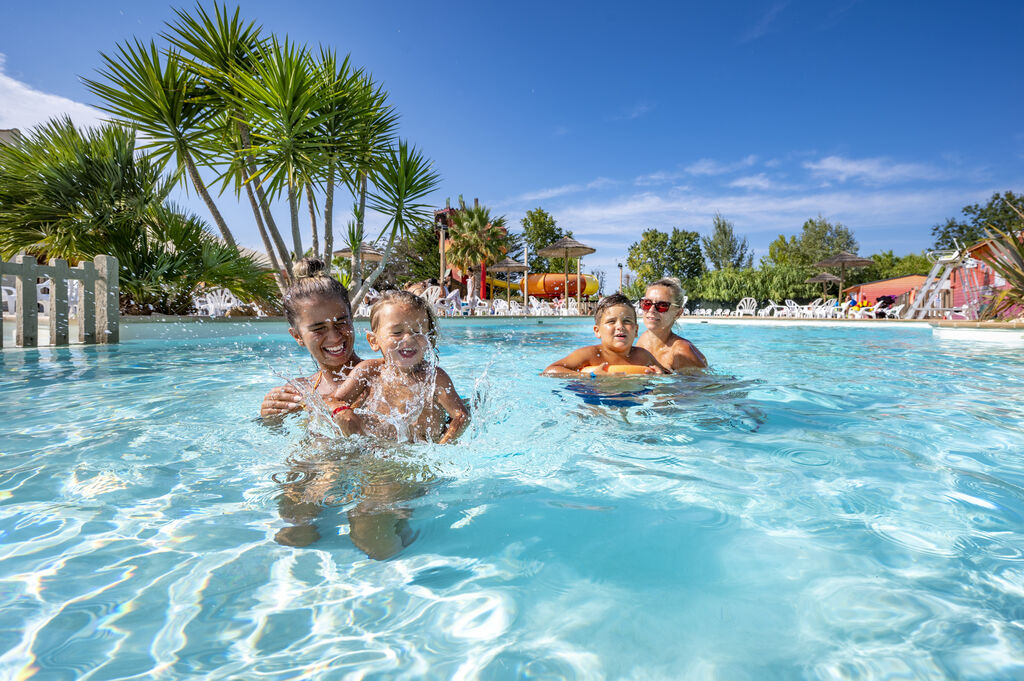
616 117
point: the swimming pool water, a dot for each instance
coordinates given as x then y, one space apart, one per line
826 503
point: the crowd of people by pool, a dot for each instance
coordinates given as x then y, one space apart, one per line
405 395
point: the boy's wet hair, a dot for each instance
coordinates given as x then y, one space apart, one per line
312 281
394 297
673 285
611 301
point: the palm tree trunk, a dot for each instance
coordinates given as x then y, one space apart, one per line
329 217
197 182
357 256
268 217
312 219
358 297
293 210
267 245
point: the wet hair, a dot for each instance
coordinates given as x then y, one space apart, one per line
611 301
673 285
432 281
311 280
393 297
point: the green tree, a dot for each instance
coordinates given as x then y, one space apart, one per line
157 95
887 265
402 181
723 249
658 255
476 238
422 251
76 195
819 239
998 213
540 230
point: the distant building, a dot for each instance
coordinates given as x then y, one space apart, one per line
870 291
9 135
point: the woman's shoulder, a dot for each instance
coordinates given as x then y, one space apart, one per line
686 351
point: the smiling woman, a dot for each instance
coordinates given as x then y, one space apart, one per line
320 320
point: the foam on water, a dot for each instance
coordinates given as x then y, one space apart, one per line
824 504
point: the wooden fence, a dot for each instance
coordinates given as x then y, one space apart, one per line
97 305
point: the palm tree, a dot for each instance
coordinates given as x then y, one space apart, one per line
476 239
371 136
339 112
402 179
63 191
217 48
157 95
279 99
76 195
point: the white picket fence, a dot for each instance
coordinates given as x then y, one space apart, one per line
97 305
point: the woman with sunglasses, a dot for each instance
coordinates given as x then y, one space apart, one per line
661 306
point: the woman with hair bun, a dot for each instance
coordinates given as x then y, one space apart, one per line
320 320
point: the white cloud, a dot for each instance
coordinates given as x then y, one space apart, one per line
544 194
24 107
764 25
636 111
660 177
871 170
708 166
759 181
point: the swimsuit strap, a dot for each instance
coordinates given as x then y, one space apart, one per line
319 377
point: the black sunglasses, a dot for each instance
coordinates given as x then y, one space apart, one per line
661 306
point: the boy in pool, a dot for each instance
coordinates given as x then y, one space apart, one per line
615 325
404 394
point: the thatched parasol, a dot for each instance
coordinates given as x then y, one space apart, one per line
566 248
824 279
367 253
509 265
843 260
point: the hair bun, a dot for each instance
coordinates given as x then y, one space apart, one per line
309 267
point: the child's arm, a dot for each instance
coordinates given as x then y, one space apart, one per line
571 364
450 401
643 356
354 387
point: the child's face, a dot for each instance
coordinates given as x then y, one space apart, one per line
617 328
324 327
655 320
401 335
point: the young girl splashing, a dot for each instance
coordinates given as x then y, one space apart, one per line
404 395
320 320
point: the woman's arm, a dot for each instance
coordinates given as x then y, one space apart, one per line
450 401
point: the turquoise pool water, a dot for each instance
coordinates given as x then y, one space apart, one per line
827 503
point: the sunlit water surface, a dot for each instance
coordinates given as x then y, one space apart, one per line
824 504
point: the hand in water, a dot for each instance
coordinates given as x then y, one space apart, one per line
283 400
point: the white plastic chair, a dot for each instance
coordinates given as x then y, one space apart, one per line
572 308
747 306
516 308
216 302
894 312
482 307
43 296
501 307
9 299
